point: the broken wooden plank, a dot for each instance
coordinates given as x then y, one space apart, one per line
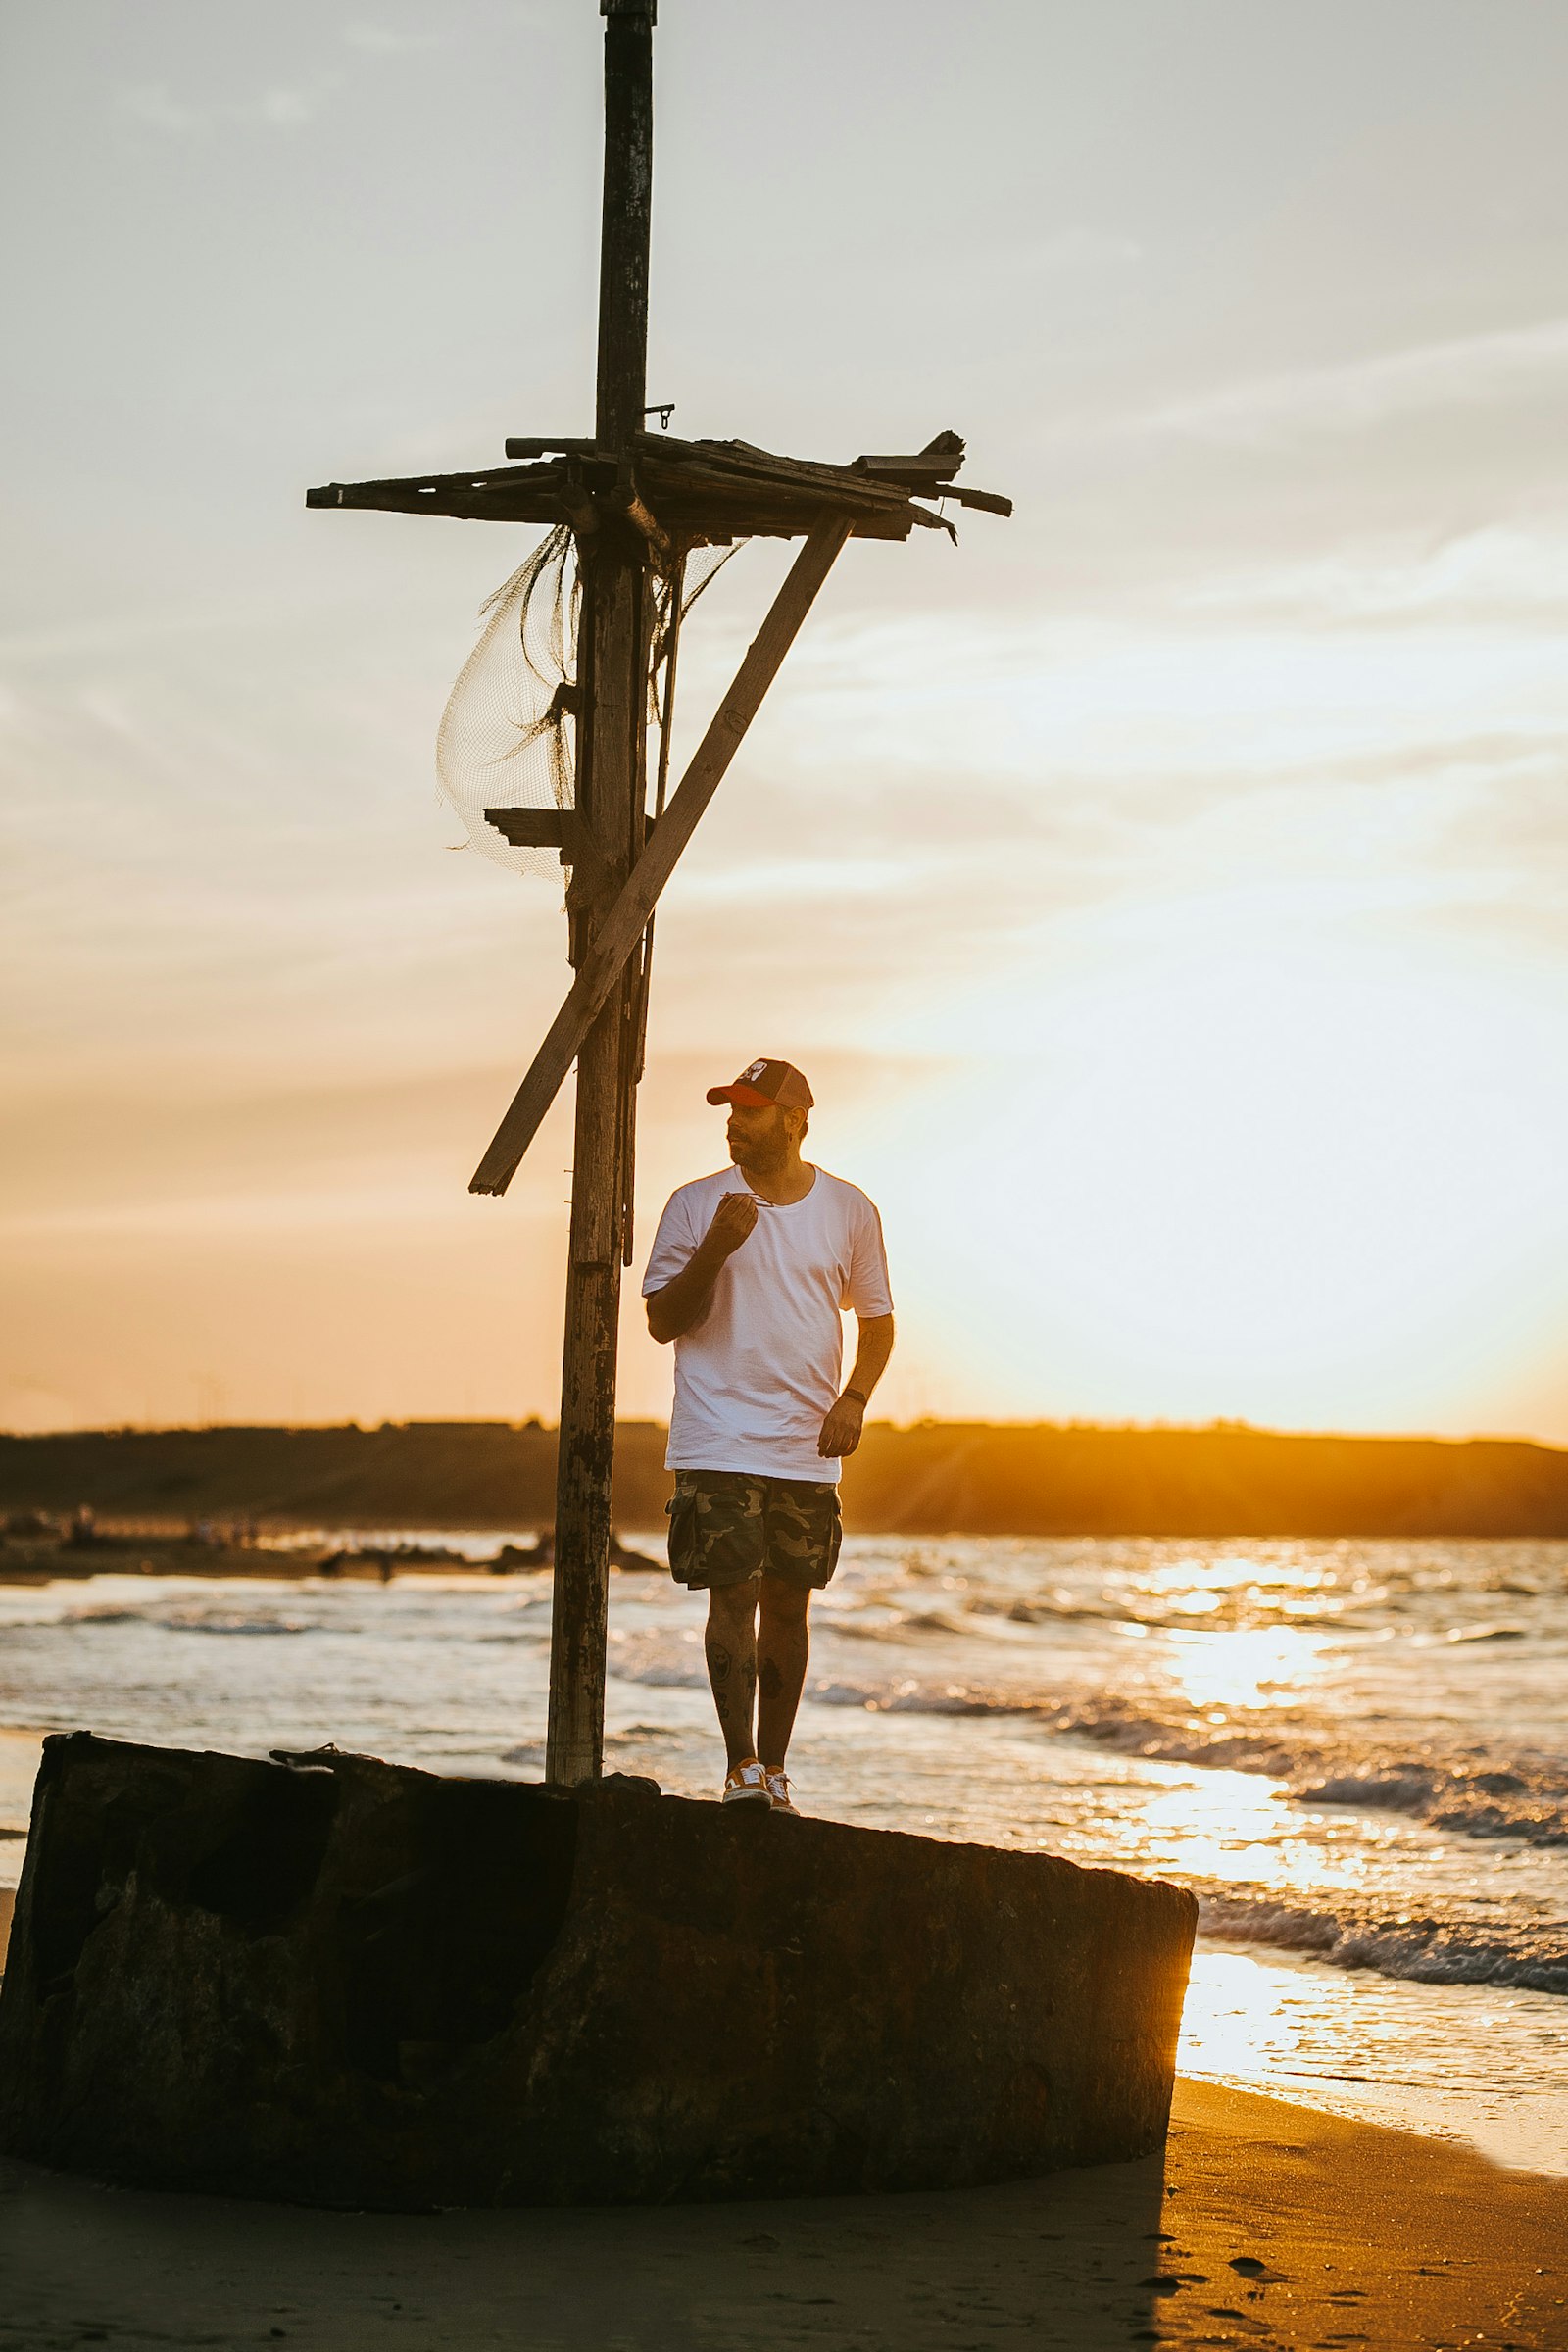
617 936
908 470
532 828
425 487
747 462
564 448
725 478
987 502
558 829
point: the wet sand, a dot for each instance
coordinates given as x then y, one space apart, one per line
20 1751
1345 2235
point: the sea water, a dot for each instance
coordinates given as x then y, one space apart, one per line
1353 1753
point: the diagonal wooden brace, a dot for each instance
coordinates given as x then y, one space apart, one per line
616 937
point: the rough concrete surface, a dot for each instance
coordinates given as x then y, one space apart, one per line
346 1982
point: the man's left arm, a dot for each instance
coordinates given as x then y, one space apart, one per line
840 1431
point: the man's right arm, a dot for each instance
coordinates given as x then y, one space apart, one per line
683 1301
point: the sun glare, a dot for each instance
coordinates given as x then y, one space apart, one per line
1307 1180
1259 1669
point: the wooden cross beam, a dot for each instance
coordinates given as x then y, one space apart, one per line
616 937
693 491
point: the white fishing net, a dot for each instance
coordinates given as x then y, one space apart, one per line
508 737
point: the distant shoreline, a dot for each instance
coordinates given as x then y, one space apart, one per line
933 1478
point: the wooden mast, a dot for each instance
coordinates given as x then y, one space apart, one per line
611 802
703 492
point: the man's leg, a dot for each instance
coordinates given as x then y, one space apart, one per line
783 1644
731 1643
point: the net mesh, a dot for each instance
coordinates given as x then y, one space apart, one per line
507 736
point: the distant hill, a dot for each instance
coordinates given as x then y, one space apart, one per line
936 1478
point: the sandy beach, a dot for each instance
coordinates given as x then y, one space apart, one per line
1263 2223
1346 2233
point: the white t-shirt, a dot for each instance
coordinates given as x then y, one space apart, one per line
762 1365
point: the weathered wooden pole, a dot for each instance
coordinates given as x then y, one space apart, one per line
611 800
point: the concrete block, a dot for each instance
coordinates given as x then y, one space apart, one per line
346 1982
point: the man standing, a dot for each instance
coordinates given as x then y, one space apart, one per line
749 1274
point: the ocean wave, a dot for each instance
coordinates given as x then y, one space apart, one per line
1519 1799
1527 1800
660 1676
212 1621
191 1621
914 1699
1055 1611
1423 1950
1472 1789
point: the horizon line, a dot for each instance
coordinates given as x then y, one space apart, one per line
1223 1426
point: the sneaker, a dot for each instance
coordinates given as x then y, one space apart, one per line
778 1788
746 1784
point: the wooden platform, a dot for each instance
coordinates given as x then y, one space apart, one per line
693 493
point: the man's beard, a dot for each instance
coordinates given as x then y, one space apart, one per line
759 1158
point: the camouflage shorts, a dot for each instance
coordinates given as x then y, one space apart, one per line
727 1526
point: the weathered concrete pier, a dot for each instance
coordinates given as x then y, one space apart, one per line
342 1982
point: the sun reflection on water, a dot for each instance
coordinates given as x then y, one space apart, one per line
1457 2061
1260 1668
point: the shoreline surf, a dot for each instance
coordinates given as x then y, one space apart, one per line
1363 1804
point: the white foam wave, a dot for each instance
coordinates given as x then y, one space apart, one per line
1423 1950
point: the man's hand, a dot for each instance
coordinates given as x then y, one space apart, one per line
673 1310
733 1220
841 1429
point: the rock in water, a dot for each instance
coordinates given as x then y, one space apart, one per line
342 1982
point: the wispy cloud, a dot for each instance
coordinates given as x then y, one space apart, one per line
1050 261
152 106
285 109
384 40
1356 395
277 1209
1495 573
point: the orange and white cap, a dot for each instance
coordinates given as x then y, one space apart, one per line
763 1084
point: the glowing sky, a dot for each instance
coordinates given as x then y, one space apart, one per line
1164 891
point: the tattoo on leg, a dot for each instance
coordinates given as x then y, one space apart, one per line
772 1680
730 1645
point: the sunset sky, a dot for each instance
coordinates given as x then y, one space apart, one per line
1164 891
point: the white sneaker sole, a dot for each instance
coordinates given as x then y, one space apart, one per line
747 1796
